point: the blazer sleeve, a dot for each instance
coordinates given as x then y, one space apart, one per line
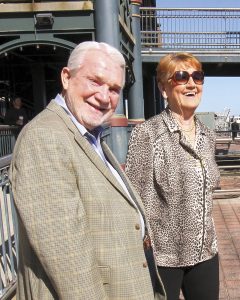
49 203
139 162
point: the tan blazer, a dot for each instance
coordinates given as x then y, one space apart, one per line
78 230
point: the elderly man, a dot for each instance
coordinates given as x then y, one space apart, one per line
81 224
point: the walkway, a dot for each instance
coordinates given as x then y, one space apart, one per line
226 213
227 221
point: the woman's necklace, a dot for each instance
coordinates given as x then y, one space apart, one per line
188 129
189 132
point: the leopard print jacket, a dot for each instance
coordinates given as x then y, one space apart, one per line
176 182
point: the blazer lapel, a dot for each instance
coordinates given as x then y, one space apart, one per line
87 148
98 162
115 164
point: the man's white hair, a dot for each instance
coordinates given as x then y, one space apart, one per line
78 54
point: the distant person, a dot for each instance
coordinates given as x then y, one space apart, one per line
171 163
235 129
16 115
82 228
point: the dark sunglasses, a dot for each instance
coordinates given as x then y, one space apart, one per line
182 77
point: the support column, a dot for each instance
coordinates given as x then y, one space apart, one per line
39 87
108 31
136 101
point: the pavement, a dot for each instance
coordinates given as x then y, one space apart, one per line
227 221
226 214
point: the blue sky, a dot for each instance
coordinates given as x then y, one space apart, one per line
219 92
199 3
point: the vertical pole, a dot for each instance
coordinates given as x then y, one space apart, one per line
108 31
136 101
39 87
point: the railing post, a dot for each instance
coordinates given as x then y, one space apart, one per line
108 31
136 101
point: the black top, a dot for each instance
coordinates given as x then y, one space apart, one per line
13 114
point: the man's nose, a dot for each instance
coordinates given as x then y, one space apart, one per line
103 93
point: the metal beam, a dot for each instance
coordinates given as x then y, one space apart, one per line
45 6
207 57
136 101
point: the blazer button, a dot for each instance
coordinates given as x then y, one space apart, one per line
137 227
145 264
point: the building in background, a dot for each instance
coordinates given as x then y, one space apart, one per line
36 37
35 41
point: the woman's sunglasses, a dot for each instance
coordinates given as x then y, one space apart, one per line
182 77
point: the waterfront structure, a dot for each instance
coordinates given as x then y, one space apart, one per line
37 35
35 40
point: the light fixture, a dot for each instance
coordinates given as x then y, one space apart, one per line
44 20
21 48
37 46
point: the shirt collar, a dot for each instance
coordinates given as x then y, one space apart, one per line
172 124
93 134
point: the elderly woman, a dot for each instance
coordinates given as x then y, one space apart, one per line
171 163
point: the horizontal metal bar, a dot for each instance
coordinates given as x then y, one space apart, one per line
10 291
229 167
198 51
162 33
45 6
5 161
224 191
189 9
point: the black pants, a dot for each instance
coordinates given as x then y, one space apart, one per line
199 282
152 270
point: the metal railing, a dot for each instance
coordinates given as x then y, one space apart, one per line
8 136
225 135
8 233
190 29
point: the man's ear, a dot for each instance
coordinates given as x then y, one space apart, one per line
65 76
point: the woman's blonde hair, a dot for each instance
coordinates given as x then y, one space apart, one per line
169 62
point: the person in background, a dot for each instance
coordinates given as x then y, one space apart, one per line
235 129
82 228
16 115
171 163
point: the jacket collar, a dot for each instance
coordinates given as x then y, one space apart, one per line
90 152
173 126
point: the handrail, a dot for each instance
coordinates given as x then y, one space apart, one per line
164 29
5 161
8 136
8 233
